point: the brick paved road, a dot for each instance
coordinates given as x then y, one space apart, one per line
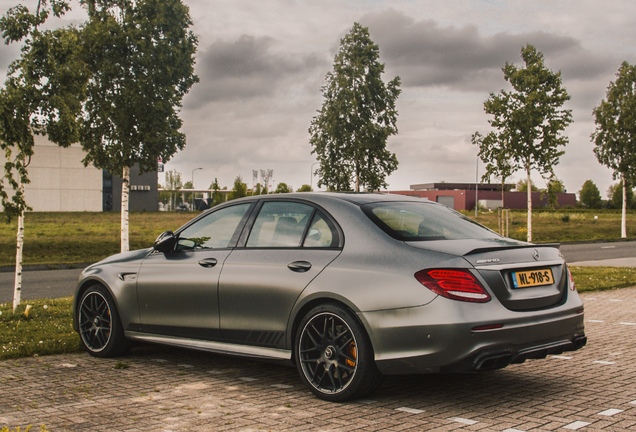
170 390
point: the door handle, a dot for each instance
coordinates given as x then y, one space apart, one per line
208 262
299 266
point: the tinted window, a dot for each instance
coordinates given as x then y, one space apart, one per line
321 232
280 224
410 221
213 231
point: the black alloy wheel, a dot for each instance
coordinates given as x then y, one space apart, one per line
334 355
100 330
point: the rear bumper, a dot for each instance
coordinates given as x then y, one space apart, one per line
439 337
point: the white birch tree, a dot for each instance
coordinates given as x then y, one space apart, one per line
528 120
615 134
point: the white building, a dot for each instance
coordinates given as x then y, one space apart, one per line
59 179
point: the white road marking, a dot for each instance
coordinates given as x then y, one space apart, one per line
615 300
604 362
410 410
595 321
282 386
463 420
68 365
633 402
561 357
576 425
608 247
610 412
626 323
248 379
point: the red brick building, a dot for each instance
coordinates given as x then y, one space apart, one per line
461 196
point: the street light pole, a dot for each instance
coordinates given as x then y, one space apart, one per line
311 174
196 169
476 185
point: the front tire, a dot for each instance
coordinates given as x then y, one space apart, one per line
334 355
99 325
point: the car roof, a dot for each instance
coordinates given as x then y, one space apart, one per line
352 197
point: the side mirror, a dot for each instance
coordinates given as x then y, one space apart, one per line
165 242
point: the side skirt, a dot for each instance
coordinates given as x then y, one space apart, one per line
216 347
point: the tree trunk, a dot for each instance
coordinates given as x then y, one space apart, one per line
125 194
17 290
529 205
624 217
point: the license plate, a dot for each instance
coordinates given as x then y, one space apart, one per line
532 278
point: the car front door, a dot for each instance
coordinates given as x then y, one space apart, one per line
290 243
177 290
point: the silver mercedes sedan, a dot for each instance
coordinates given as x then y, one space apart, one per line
346 287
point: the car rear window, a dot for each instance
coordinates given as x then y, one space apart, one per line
412 221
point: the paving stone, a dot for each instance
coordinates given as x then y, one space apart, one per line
213 394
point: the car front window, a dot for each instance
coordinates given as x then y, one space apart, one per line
412 221
213 231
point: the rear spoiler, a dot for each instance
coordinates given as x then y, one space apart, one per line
521 246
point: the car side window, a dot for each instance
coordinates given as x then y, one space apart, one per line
280 224
214 231
321 232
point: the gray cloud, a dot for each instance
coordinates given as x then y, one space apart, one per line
425 54
248 68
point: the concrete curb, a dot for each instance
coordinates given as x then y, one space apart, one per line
41 267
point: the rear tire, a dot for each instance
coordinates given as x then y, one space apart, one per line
99 324
334 355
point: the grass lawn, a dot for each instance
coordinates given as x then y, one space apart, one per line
48 328
82 237
561 226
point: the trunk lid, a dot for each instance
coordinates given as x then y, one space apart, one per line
498 260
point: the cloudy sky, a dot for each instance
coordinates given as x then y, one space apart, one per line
261 65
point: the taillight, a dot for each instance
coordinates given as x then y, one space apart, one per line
571 280
453 284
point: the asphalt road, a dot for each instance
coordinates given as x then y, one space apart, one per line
40 284
598 251
61 283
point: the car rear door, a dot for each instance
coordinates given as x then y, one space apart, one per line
289 244
177 290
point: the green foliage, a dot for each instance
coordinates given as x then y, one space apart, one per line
305 188
615 133
140 55
358 115
39 95
121 365
615 195
555 186
528 120
217 197
172 184
239 190
590 196
522 186
283 188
